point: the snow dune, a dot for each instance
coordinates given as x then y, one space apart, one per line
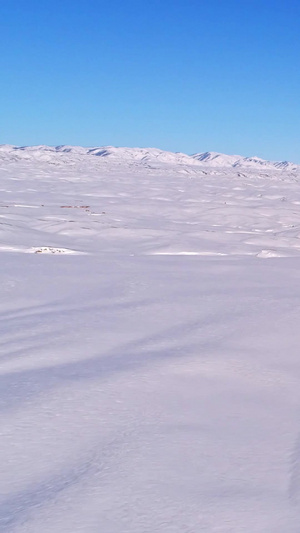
149 354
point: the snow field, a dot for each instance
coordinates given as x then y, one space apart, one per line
149 354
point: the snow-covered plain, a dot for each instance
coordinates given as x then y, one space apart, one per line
149 352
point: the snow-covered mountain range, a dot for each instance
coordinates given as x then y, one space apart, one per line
140 156
215 159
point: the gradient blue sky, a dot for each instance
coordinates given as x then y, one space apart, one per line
178 75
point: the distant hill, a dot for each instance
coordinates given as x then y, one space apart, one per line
140 156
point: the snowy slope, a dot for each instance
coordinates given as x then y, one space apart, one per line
216 159
149 353
144 202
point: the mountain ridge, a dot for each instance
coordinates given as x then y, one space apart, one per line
218 159
144 156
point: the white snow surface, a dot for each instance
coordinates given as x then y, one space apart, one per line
150 369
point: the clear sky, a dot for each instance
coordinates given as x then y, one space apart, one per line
181 75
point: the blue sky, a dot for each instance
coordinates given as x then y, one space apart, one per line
178 75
